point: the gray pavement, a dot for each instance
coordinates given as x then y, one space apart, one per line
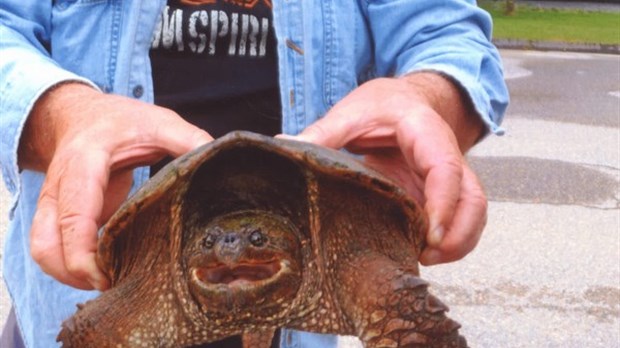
564 87
547 270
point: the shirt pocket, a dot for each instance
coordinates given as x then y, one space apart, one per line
84 38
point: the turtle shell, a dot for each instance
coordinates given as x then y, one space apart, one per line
250 233
242 171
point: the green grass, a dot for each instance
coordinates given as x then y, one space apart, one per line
573 26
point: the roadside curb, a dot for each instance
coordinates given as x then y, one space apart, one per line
556 46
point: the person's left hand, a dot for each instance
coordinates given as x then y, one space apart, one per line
414 130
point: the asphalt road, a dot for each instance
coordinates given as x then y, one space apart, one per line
547 270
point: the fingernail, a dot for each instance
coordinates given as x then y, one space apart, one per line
431 257
299 137
98 283
435 235
201 139
286 136
95 283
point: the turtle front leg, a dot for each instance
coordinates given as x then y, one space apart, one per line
391 307
409 316
106 321
129 316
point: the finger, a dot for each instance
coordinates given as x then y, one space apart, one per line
80 204
430 149
391 163
349 119
146 144
116 193
332 132
177 136
46 241
467 226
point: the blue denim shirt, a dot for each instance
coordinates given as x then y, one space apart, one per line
326 48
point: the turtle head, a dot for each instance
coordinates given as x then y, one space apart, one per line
245 262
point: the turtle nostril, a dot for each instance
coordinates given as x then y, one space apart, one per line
230 238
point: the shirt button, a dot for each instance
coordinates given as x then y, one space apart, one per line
138 91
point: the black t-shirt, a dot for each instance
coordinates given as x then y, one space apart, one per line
215 63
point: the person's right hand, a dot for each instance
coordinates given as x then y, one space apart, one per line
88 143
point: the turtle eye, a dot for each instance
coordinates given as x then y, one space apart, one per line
209 241
257 238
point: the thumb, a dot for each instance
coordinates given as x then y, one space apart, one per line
333 130
178 137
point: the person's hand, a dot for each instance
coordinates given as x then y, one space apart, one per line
88 143
415 129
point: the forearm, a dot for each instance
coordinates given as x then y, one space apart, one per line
38 140
451 103
42 129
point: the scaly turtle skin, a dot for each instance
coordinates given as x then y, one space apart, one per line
248 234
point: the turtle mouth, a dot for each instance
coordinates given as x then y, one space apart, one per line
239 274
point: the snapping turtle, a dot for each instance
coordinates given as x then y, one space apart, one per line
250 233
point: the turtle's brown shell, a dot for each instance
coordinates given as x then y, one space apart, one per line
250 233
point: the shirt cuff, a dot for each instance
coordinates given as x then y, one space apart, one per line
22 85
490 114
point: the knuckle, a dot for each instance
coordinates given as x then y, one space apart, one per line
42 239
199 137
381 83
78 243
41 252
76 267
477 194
317 130
479 199
454 162
319 133
164 115
67 221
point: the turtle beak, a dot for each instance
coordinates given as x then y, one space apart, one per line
243 273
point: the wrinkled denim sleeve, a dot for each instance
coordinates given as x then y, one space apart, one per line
451 37
26 72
